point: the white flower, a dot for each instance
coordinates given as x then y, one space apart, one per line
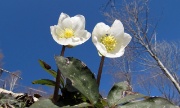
110 41
70 31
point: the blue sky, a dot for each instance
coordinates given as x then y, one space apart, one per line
25 33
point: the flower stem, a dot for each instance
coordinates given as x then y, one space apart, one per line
57 85
63 50
100 70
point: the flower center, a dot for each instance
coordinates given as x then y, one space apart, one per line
67 33
109 42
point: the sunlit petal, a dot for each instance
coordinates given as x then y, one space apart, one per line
62 17
99 30
78 22
117 28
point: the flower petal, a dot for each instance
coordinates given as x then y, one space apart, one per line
83 36
66 23
118 54
115 55
100 47
62 41
62 17
58 30
117 28
78 22
125 40
122 42
100 30
53 32
75 39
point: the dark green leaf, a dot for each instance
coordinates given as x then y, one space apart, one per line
81 105
80 75
48 69
151 102
44 82
129 98
45 103
71 98
116 93
102 103
69 86
44 65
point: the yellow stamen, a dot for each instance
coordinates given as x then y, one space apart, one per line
67 33
109 42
